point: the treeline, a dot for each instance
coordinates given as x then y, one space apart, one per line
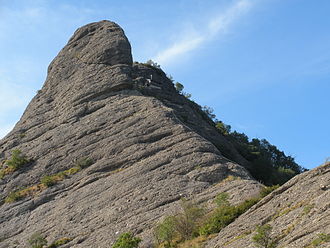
268 164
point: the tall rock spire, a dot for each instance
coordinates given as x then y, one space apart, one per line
150 146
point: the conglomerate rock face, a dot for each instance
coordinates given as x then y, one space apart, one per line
149 145
298 213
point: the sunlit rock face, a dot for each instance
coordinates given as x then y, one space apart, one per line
149 147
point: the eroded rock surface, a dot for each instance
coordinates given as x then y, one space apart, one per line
298 213
150 147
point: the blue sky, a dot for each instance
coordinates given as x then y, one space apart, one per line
262 65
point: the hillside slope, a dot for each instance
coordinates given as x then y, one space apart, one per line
298 212
119 152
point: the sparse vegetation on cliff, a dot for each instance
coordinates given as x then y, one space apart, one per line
48 181
127 240
17 161
192 222
269 165
263 238
39 241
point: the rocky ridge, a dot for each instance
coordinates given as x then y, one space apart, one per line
149 147
298 212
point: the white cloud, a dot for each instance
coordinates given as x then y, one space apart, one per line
192 40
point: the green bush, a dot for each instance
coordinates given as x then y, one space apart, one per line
48 181
220 218
188 221
262 238
11 165
246 205
222 199
37 241
181 227
321 239
13 196
59 242
84 162
209 112
80 164
267 190
192 222
17 160
127 240
224 214
165 232
179 87
153 64
223 128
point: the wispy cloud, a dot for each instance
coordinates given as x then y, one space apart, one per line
193 39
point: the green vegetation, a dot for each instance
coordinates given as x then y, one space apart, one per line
181 227
209 112
223 128
187 222
192 226
268 164
84 162
321 239
13 196
127 240
48 181
224 214
80 164
37 241
267 190
263 237
165 232
152 63
18 160
23 193
222 199
59 242
179 88
308 208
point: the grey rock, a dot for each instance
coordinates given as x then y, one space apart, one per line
298 212
150 147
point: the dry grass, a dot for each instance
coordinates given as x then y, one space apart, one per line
45 182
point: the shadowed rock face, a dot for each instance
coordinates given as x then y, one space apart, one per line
150 147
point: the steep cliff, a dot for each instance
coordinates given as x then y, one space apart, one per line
119 150
298 214
109 146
